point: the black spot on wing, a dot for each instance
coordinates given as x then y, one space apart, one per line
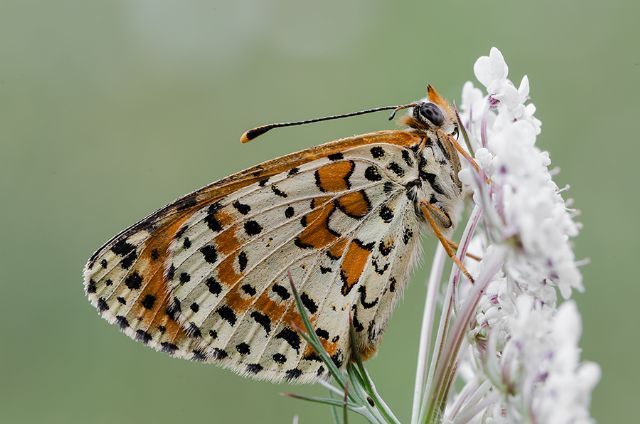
357 325
218 353
372 174
366 246
263 320
91 287
169 348
338 358
210 254
227 314
102 305
431 179
122 322
309 303
406 156
289 212
254 368
129 260
363 298
181 231
386 214
243 348
242 261
133 281
252 228
377 152
396 169
279 358
281 291
174 309
385 247
378 269
241 207
122 248
211 220
324 334
193 330
248 289
198 355
213 285
292 374
335 156
291 337
278 192
143 336
406 236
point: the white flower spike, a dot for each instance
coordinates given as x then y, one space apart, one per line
520 340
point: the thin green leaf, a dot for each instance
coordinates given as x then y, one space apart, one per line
312 338
463 130
334 412
361 410
345 399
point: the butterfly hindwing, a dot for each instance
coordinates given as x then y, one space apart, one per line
205 278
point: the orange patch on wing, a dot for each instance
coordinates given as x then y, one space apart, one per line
287 314
331 349
334 176
355 205
235 301
227 273
227 241
352 266
317 233
319 201
153 302
337 249
224 218
277 311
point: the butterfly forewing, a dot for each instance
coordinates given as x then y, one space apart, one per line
205 278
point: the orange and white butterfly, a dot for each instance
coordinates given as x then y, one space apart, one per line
205 278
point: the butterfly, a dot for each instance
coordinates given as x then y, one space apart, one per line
205 278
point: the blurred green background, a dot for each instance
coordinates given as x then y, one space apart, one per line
111 109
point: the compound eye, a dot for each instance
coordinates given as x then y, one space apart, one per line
432 113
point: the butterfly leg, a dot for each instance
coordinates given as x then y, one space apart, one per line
465 154
454 246
428 210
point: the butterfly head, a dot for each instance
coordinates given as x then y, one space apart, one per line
433 112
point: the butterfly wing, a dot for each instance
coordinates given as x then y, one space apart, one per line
205 277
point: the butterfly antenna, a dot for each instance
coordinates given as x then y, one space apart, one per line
258 131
